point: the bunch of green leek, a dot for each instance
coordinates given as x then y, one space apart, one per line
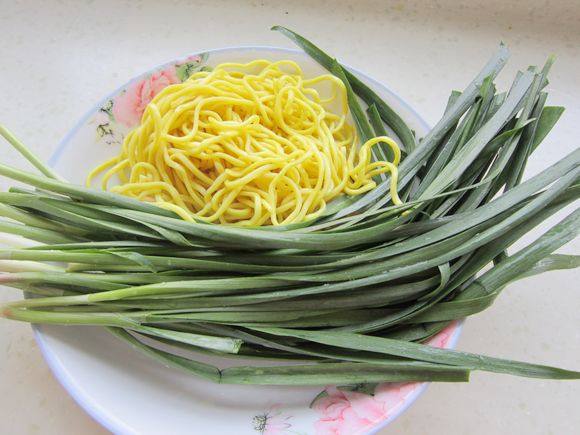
348 298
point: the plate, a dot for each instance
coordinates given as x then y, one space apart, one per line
127 392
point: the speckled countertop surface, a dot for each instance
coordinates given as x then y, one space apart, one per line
59 57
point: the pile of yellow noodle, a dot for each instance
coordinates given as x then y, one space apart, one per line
247 144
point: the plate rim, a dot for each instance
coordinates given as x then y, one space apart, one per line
66 380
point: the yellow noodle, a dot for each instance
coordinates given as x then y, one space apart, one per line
247 144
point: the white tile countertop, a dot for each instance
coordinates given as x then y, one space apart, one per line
59 57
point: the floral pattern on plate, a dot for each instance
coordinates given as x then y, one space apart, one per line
356 409
123 112
272 422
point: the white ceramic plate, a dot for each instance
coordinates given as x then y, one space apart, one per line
130 394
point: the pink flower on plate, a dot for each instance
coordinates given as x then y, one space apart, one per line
443 337
347 412
344 412
393 395
272 422
130 105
